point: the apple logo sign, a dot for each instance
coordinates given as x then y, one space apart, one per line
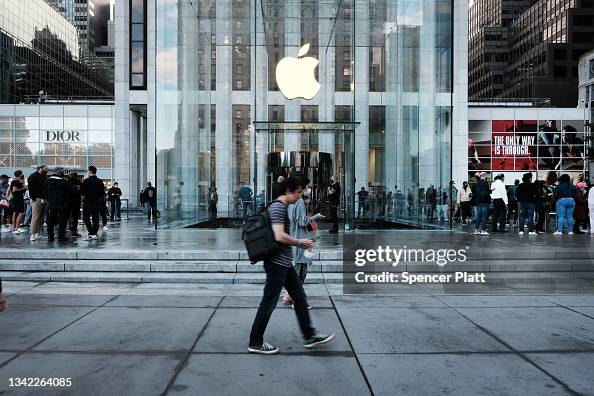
295 76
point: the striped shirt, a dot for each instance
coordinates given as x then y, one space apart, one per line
278 215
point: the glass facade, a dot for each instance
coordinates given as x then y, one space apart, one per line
69 136
385 68
40 51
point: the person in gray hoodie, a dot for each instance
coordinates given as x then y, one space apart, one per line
301 227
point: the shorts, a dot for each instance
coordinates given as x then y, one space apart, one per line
18 206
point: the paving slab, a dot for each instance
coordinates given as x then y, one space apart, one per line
452 374
374 301
573 369
536 328
270 375
59 299
254 302
496 301
574 300
132 329
589 311
5 356
188 277
93 375
165 301
229 331
414 330
23 326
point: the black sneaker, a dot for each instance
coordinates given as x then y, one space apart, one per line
317 340
264 349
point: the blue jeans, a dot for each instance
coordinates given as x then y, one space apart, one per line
28 212
246 205
565 208
277 277
526 210
482 215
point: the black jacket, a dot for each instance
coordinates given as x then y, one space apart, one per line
481 193
334 198
114 193
36 182
58 192
150 195
93 189
75 195
527 193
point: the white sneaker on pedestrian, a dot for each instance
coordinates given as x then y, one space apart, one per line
521 232
105 228
557 233
570 233
477 232
32 238
484 232
18 231
90 238
532 233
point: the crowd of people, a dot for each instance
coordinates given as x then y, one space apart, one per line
55 201
531 205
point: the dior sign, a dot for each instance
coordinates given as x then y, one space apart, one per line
62 136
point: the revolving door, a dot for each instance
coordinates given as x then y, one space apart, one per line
318 150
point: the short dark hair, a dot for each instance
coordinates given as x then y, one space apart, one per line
18 173
304 181
564 178
290 184
527 177
93 170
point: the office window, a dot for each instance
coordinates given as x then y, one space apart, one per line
137 42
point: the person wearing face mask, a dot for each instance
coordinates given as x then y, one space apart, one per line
38 196
115 203
463 199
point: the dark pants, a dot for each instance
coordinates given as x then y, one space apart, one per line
526 211
212 210
541 215
74 212
334 215
115 206
277 277
152 206
103 213
499 215
246 205
57 216
465 210
91 212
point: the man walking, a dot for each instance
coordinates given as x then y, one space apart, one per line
334 200
58 194
280 273
246 196
92 191
39 205
115 203
150 198
213 200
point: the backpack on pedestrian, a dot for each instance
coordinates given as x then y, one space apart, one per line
258 237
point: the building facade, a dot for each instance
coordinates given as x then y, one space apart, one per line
528 49
41 58
197 93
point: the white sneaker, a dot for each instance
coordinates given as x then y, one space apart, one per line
90 238
32 237
477 232
484 232
521 232
18 231
105 228
5 229
557 233
570 233
532 233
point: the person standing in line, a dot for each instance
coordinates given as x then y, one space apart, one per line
301 223
141 198
92 192
463 199
17 189
276 187
150 198
246 196
527 196
565 205
103 210
334 200
281 273
115 202
499 196
580 213
543 205
482 197
74 203
452 201
362 198
513 203
28 210
213 200
3 197
58 193
39 205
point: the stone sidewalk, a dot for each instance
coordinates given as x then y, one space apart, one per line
188 339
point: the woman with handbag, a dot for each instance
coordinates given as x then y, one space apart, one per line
303 225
